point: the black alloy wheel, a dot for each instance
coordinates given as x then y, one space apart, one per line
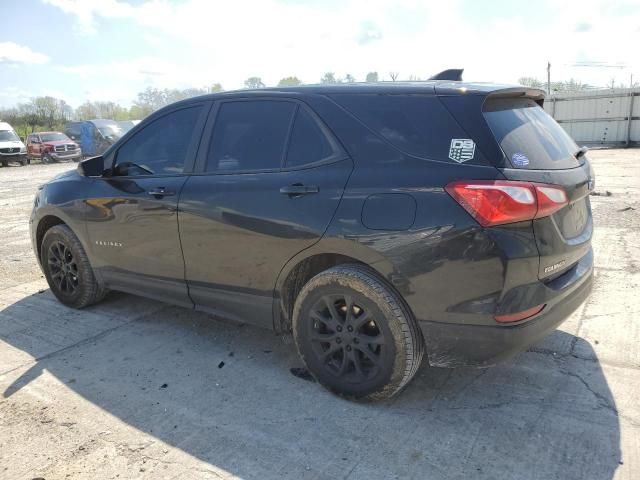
67 269
346 337
355 335
63 268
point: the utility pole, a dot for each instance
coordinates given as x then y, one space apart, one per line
548 78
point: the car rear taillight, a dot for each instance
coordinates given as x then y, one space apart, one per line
497 202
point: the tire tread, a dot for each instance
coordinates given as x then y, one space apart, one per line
413 341
92 291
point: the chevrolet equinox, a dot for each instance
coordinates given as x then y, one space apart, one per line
377 223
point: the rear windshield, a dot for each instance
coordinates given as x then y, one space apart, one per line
528 136
415 124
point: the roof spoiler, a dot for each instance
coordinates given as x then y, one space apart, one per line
454 74
535 94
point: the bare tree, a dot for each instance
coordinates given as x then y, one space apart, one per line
394 76
254 82
329 77
530 82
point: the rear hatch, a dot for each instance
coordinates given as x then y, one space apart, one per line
538 150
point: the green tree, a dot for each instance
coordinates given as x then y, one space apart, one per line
372 77
254 82
289 82
349 78
216 88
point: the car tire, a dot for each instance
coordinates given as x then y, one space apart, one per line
23 162
5 163
67 269
46 158
355 334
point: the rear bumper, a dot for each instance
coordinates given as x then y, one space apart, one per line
457 345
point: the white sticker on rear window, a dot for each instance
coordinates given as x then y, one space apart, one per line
519 159
462 149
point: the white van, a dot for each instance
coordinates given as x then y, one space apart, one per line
11 147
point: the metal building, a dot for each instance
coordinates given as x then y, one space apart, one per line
599 117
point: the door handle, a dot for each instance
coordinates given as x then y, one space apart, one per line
160 192
298 189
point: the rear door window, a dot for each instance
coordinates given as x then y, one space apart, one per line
250 136
308 143
528 136
415 124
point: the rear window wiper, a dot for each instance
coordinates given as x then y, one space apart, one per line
581 152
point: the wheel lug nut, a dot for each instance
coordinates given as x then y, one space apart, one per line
350 328
339 328
348 348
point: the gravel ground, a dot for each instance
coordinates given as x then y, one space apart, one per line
131 388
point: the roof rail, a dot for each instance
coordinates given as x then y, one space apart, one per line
454 74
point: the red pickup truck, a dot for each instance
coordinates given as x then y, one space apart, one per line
52 147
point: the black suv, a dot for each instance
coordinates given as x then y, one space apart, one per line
376 222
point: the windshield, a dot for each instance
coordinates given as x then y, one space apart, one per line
53 137
8 136
112 131
528 136
125 126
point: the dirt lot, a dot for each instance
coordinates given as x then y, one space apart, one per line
135 389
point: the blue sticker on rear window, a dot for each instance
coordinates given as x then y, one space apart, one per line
519 160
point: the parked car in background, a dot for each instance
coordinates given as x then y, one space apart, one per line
51 147
126 125
94 136
11 147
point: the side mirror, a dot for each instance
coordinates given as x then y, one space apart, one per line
91 167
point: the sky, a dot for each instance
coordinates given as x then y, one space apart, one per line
110 50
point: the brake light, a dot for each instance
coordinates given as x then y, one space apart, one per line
550 200
498 202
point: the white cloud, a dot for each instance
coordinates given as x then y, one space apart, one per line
86 11
13 53
229 41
